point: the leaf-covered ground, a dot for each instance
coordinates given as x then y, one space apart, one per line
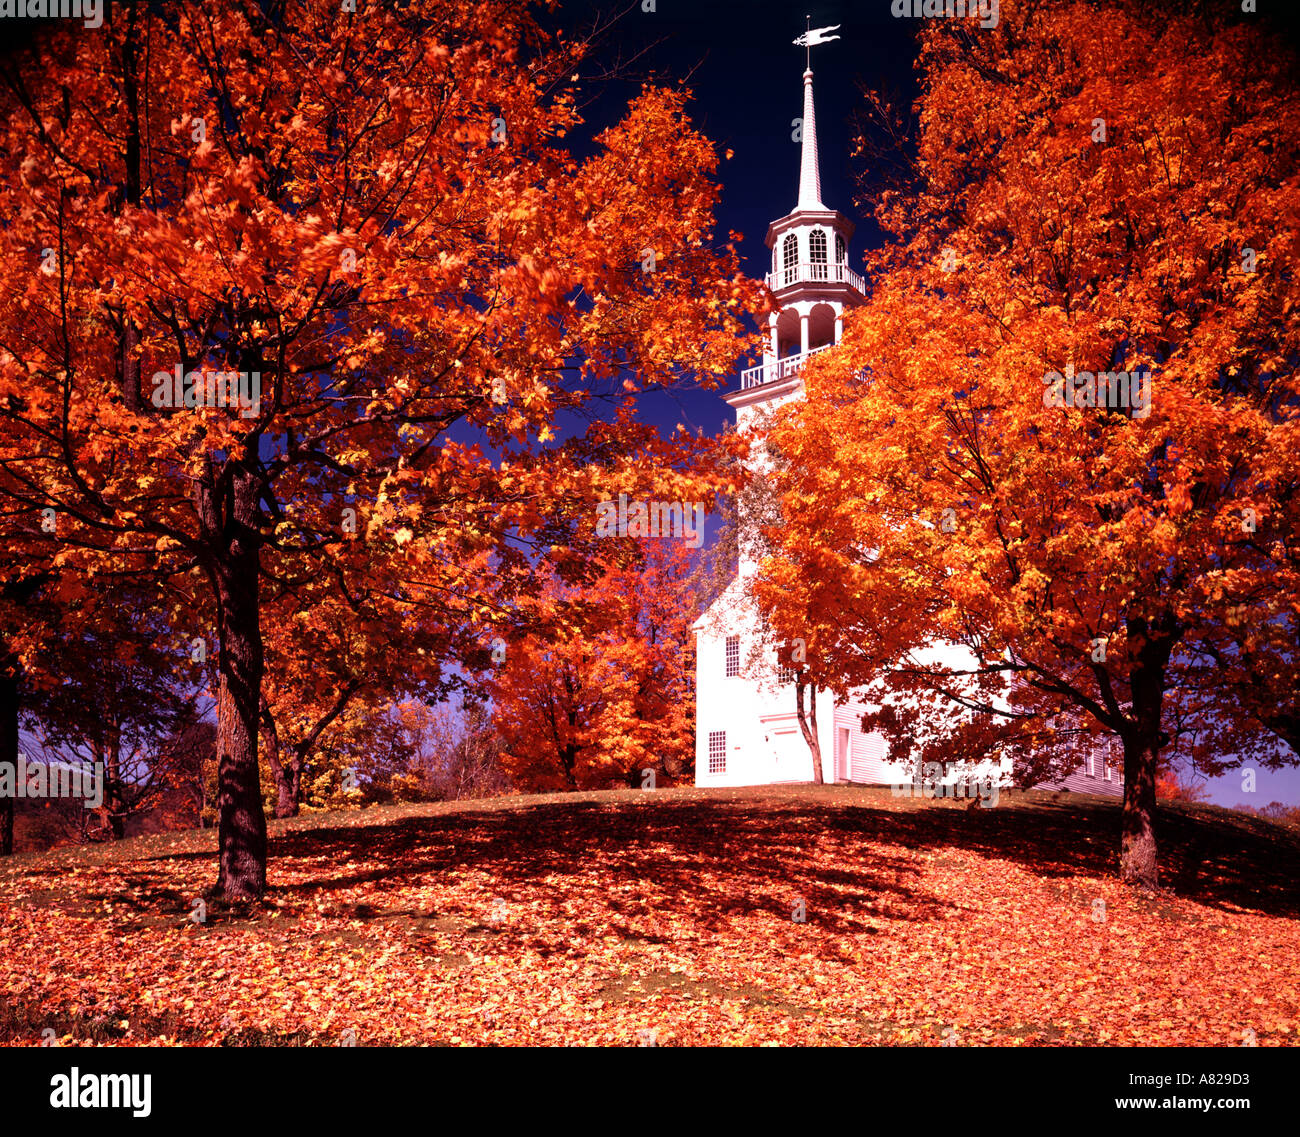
669 918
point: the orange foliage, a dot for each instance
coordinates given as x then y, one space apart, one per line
375 213
606 690
1071 217
1171 787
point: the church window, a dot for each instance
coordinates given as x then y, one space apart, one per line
790 259
717 752
840 251
733 656
817 253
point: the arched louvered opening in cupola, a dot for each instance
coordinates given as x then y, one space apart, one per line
841 252
817 253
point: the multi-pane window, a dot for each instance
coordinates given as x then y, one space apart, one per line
817 253
785 671
790 259
717 752
733 656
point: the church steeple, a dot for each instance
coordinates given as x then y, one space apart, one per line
810 276
810 177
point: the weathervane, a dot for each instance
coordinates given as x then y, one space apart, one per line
813 36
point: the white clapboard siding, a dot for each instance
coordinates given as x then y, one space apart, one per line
868 753
1080 781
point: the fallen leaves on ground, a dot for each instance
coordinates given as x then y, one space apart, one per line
668 918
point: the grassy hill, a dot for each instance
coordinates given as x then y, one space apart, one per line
670 917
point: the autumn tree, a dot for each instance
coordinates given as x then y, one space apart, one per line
1173 786
291 292
602 688
415 750
331 669
110 687
1016 490
186 759
465 759
29 589
16 597
99 676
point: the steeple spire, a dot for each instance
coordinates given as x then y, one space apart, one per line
810 279
810 178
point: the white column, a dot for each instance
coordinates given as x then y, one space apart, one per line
803 332
776 353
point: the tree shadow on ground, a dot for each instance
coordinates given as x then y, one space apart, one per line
710 861
718 858
1218 862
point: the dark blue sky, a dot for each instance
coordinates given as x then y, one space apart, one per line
746 75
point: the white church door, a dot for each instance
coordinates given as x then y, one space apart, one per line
791 761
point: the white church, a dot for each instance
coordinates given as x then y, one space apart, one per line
747 728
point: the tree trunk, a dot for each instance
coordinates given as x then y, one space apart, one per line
1152 643
286 798
1138 841
241 819
114 791
295 785
233 544
808 723
304 747
8 749
568 760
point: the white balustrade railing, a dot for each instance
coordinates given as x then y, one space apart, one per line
777 369
815 272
